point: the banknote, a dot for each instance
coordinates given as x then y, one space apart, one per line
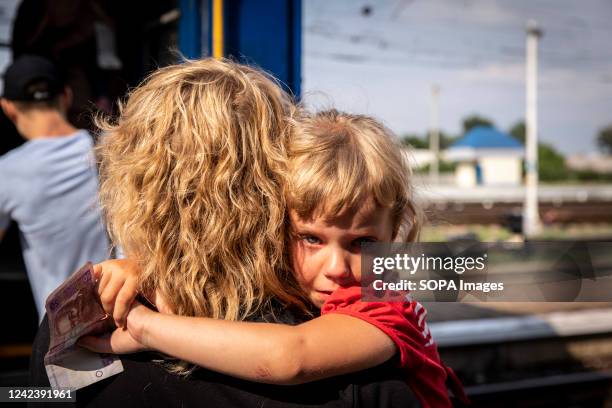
74 310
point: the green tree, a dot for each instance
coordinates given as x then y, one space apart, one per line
519 131
551 164
415 141
420 142
604 139
443 167
446 140
475 120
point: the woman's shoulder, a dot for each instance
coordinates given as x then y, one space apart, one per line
277 312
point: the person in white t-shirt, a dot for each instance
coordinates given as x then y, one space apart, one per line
49 184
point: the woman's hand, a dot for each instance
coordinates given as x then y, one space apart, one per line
117 287
122 340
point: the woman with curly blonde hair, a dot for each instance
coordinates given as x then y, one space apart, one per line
191 178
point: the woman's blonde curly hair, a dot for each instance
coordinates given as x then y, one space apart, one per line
191 180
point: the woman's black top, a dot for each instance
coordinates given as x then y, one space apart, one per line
144 383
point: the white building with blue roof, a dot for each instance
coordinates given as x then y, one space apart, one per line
486 156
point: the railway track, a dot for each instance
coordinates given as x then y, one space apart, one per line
559 359
583 389
489 212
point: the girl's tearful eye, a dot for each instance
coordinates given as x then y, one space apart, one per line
311 239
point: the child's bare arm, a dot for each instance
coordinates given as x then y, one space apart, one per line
324 347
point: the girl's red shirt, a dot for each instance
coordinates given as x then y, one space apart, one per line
404 322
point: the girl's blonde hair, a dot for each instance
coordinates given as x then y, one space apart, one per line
338 161
191 186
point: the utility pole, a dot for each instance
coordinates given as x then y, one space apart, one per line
531 216
434 136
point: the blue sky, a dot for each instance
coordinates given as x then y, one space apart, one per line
384 64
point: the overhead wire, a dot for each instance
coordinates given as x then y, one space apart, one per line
500 46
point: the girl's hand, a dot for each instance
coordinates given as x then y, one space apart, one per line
117 287
118 342
122 340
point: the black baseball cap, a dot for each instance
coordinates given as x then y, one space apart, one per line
31 78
